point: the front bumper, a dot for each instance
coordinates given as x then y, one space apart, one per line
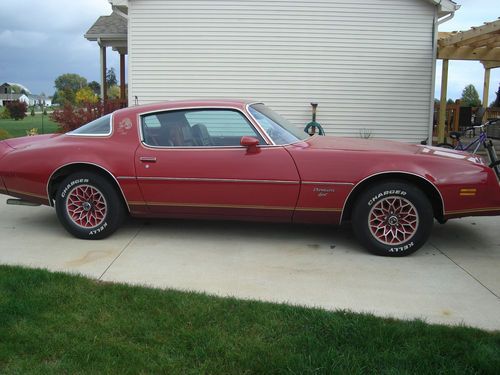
4 150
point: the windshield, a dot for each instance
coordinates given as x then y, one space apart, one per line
281 131
100 126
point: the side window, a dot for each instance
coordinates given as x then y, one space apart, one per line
198 128
99 127
220 127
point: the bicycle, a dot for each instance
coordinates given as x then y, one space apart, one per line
473 146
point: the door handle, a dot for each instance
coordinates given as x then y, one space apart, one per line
148 159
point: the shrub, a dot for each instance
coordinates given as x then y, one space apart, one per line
4 134
17 109
44 111
5 113
70 118
32 111
32 132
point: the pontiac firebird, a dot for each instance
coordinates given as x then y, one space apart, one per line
239 160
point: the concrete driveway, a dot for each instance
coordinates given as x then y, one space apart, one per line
454 279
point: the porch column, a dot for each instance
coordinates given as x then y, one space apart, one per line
442 105
122 76
104 88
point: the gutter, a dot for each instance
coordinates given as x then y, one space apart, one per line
119 12
445 18
446 5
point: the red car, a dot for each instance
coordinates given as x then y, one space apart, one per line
239 160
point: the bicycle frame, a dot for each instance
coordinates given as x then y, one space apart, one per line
481 140
475 144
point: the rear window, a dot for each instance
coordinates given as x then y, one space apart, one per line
100 126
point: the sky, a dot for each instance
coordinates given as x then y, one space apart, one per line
39 40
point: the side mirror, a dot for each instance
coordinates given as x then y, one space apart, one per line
250 143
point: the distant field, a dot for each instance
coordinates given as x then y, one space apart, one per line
18 128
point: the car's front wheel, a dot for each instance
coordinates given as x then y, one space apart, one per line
392 218
88 206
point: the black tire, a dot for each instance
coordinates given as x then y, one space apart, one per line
445 145
407 228
88 206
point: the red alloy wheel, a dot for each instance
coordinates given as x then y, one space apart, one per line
393 221
86 206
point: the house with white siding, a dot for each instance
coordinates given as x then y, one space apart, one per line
369 64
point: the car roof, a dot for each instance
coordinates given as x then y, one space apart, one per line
180 104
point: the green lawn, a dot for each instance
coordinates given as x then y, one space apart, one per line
56 323
18 128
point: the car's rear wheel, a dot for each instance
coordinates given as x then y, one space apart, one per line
88 206
392 218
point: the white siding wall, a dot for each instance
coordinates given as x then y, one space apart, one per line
368 63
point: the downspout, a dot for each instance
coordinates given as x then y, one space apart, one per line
437 22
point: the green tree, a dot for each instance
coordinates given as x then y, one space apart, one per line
470 97
70 81
66 96
111 77
4 113
114 92
15 89
56 98
95 87
496 103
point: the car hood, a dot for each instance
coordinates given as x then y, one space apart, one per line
367 145
387 147
24 142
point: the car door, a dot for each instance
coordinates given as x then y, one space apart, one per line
191 163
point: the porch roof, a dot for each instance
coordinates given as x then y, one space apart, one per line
109 31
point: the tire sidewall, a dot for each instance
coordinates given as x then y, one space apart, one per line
114 211
372 196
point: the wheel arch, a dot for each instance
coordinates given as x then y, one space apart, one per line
63 171
429 189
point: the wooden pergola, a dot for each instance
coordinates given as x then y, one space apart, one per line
477 44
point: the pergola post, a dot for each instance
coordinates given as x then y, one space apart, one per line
442 105
104 88
486 87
